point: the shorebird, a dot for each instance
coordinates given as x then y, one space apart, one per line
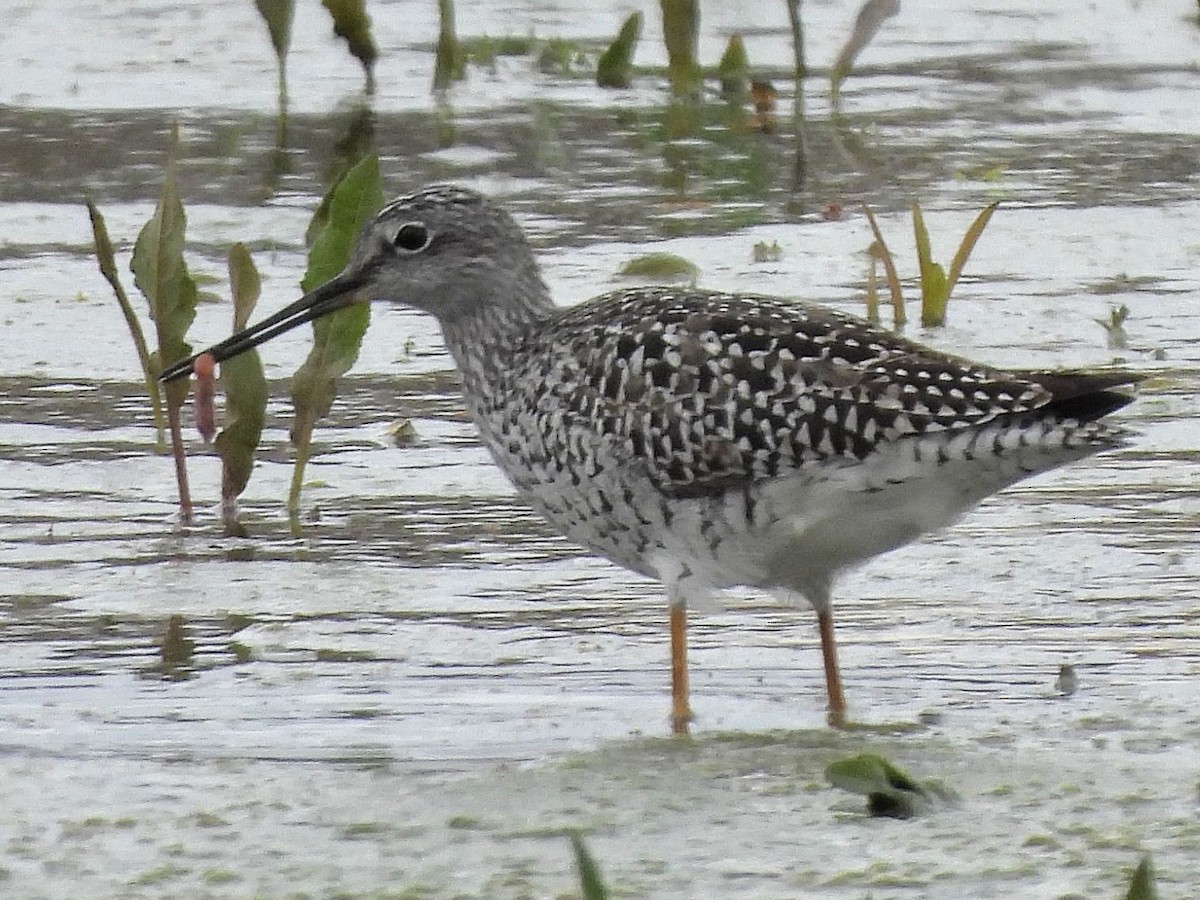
708 440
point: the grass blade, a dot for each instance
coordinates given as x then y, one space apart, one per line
870 17
935 296
615 67
681 28
968 244
590 881
899 317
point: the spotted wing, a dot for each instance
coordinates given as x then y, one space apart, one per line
710 391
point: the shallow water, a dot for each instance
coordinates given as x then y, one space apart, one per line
420 692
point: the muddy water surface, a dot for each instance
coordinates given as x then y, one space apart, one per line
419 693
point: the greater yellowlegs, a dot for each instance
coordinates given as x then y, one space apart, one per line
705 439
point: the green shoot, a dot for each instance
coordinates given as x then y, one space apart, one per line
681 27
350 21
245 393
734 69
108 268
660 267
936 283
450 59
615 67
278 15
763 252
867 24
590 882
870 17
338 336
899 316
1142 886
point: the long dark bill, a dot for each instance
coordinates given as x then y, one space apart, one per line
337 293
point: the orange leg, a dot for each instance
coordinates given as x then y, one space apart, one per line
833 677
681 712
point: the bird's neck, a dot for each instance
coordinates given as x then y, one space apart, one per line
484 338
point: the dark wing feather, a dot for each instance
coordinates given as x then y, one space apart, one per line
711 391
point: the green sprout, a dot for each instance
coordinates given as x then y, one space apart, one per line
590 882
615 67
936 283
1142 885
353 200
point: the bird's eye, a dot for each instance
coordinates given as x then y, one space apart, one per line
412 237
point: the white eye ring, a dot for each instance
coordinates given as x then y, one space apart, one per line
412 237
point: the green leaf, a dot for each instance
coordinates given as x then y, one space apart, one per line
108 268
935 296
891 792
615 67
1142 885
337 336
933 277
590 882
734 67
244 384
350 21
161 274
968 244
681 28
278 14
355 144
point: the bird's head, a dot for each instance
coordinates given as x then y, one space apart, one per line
445 250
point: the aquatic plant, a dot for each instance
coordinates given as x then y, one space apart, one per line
681 29
279 15
734 69
351 22
161 275
936 283
660 267
245 394
448 63
590 882
108 268
615 66
797 26
1142 884
337 337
